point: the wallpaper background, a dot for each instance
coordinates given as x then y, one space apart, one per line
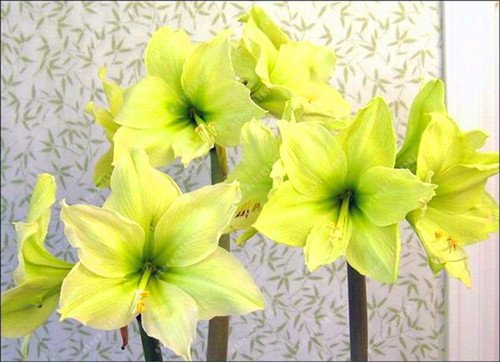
50 56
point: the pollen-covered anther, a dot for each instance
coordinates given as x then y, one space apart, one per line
141 303
452 243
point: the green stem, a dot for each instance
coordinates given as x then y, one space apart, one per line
358 323
218 327
151 346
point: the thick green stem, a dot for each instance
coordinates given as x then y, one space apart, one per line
358 323
151 346
218 327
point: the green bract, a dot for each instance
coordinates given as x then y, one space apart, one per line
462 212
152 251
257 174
39 275
106 119
277 70
343 196
189 100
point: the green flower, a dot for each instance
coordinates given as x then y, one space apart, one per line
152 251
258 174
462 212
106 119
189 100
343 196
39 275
277 70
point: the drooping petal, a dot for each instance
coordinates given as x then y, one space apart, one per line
190 229
374 250
208 66
157 142
325 244
103 169
289 216
166 54
429 99
228 109
170 316
96 301
369 140
42 199
219 284
260 152
386 195
108 243
313 159
459 178
441 146
151 103
140 192
103 118
27 306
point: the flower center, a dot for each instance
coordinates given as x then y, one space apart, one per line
139 304
339 229
205 130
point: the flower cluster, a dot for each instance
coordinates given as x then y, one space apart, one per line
332 183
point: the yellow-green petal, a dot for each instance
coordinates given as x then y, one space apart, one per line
166 54
374 250
103 169
108 243
96 301
259 18
151 103
192 142
219 284
140 192
313 159
170 316
27 306
380 190
429 99
289 216
190 229
369 140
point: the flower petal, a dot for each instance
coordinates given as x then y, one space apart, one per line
429 99
27 306
166 53
219 284
96 301
260 152
374 250
289 216
322 247
140 192
103 169
380 190
459 178
314 161
108 243
369 140
258 18
157 142
208 66
229 108
151 103
170 316
190 229
441 146
460 270
191 143
42 199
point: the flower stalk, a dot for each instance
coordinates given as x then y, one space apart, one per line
150 345
218 327
358 325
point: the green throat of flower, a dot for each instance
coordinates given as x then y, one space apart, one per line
204 129
339 228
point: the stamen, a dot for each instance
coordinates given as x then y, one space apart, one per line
339 230
452 243
139 304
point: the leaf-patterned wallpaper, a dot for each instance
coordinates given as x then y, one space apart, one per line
50 55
